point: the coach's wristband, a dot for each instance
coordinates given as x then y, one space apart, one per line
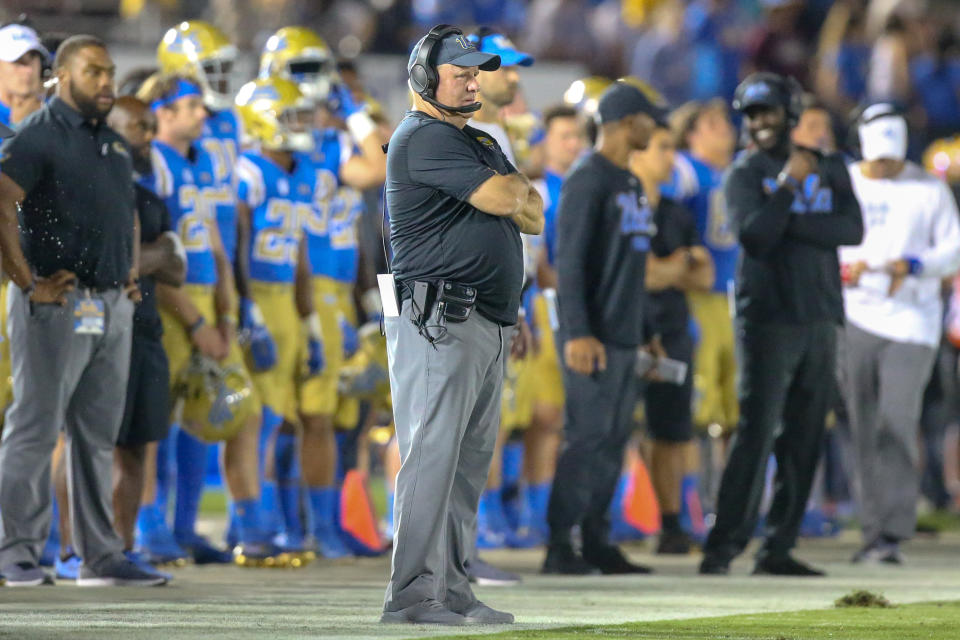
192 329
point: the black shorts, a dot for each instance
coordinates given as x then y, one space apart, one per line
668 406
146 416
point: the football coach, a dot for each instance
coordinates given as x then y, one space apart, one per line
457 208
69 244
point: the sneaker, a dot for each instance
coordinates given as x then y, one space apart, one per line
202 550
26 574
879 551
480 613
785 565
67 566
481 573
611 561
141 561
563 560
425 612
118 572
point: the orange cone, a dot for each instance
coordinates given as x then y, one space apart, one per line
640 507
356 515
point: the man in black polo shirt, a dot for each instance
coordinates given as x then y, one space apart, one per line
70 317
791 208
457 207
604 226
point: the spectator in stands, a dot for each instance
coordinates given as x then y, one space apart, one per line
778 43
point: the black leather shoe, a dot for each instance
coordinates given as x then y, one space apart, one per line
563 560
673 543
611 561
713 566
784 566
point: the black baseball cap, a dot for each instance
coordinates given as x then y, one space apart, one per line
456 49
622 99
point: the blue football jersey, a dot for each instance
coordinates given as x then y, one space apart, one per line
221 139
279 202
343 233
697 186
189 189
549 188
328 226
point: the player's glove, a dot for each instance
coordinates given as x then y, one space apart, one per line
354 114
263 350
351 341
315 359
341 101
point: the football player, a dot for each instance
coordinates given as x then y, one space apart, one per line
200 316
275 190
351 158
201 51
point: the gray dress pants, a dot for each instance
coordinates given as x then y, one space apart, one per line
62 380
884 383
446 406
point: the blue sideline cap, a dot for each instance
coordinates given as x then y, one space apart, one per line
500 45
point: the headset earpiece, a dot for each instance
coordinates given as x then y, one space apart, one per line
423 73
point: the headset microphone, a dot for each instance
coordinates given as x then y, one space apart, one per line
470 108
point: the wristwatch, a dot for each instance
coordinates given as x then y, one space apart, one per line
786 179
29 289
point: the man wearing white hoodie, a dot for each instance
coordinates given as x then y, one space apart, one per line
893 308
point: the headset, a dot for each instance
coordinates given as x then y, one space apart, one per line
789 93
423 74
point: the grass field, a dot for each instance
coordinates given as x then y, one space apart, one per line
342 600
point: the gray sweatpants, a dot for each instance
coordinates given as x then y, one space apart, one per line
884 393
446 406
78 382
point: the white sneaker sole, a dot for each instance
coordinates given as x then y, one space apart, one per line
40 582
497 582
120 582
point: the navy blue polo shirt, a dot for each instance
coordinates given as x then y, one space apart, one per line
432 170
78 212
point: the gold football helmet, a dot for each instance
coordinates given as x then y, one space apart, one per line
214 402
276 115
199 49
300 55
584 94
365 374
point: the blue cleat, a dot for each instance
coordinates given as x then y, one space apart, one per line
202 550
144 565
67 567
260 554
155 541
